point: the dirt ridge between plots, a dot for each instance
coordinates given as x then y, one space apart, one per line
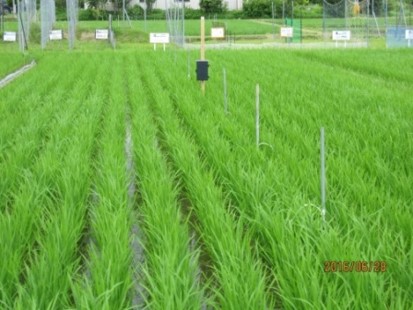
12 76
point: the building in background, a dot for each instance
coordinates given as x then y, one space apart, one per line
193 4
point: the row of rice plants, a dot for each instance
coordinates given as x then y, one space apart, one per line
28 93
107 282
393 65
35 194
48 279
170 271
389 294
240 281
22 136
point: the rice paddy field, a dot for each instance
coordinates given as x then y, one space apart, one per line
122 186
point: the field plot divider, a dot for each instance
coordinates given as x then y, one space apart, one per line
12 76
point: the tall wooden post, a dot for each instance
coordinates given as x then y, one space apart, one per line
203 48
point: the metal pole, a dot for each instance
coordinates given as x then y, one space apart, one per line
322 175
345 14
324 21
301 24
144 14
368 22
292 20
183 23
257 115
273 20
225 91
24 41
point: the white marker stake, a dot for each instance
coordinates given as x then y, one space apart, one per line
322 175
225 92
257 115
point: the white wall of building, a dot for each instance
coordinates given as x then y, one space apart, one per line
193 4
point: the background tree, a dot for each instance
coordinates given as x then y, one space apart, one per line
212 6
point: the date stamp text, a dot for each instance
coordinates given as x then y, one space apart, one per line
355 266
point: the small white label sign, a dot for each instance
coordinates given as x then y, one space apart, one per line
341 35
217 32
157 37
55 35
9 36
409 34
102 34
287 32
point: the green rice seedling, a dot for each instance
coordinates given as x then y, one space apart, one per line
109 255
56 254
31 198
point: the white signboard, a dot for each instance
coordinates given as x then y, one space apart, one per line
102 34
55 35
217 32
409 34
286 32
341 35
158 37
9 36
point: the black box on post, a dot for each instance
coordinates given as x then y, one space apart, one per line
202 70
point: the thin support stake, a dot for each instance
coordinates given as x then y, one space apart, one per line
225 91
257 115
322 175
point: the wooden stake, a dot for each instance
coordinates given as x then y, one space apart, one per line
203 49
